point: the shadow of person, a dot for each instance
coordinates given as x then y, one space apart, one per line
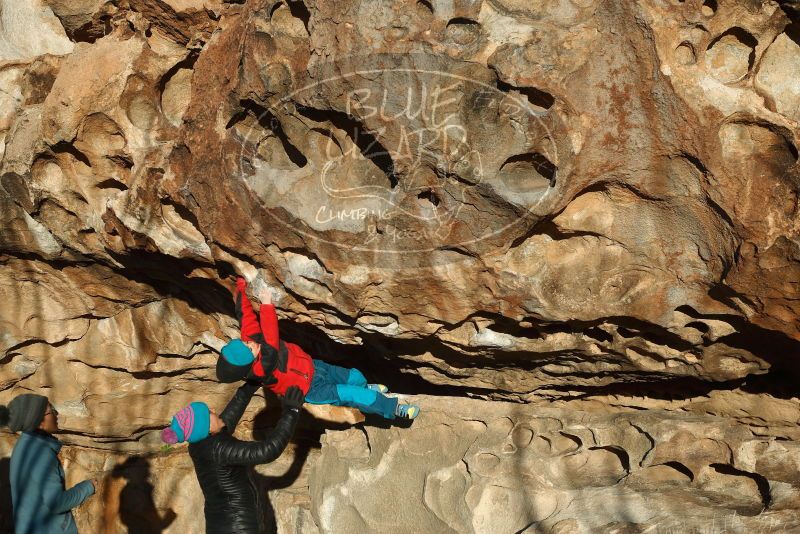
306 437
6 511
137 509
265 484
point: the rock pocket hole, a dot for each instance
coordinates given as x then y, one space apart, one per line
598 334
698 325
267 122
764 145
181 211
677 466
572 437
274 9
65 147
175 89
521 436
428 198
792 150
424 5
282 12
300 11
709 8
462 31
92 30
730 56
761 482
367 143
538 98
111 183
621 453
122 160
685 54
528 172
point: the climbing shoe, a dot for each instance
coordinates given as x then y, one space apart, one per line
380 388
406 411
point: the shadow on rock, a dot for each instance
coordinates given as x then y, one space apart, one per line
137 508
307 437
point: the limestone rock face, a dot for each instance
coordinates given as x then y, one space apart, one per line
496 467
30 29
588 203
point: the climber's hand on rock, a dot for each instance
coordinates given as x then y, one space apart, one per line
241 284
264 295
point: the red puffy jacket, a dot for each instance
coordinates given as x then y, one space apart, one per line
287 363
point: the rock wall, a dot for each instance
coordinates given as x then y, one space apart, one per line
574 205
480 467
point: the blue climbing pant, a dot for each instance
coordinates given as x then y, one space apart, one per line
347 387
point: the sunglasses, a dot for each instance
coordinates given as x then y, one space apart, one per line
51 410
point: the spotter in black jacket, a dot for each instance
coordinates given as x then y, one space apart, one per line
222 463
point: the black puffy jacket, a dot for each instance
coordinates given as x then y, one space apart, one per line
222 463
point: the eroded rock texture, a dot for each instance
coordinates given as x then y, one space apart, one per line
581 202
497 467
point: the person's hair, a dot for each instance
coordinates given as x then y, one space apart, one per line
227 372
4 415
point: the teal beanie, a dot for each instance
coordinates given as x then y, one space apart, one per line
237 353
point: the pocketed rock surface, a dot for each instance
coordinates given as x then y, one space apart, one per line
569 226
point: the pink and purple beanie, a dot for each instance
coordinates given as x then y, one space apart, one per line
189 424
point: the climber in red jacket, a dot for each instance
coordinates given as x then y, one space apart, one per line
279 365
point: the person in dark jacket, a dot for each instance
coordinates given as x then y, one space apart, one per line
39 498
261 354
223 463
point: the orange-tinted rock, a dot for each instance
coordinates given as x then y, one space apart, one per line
594 204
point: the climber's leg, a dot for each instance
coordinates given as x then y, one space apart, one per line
340 375
366 400
347 387
355 378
